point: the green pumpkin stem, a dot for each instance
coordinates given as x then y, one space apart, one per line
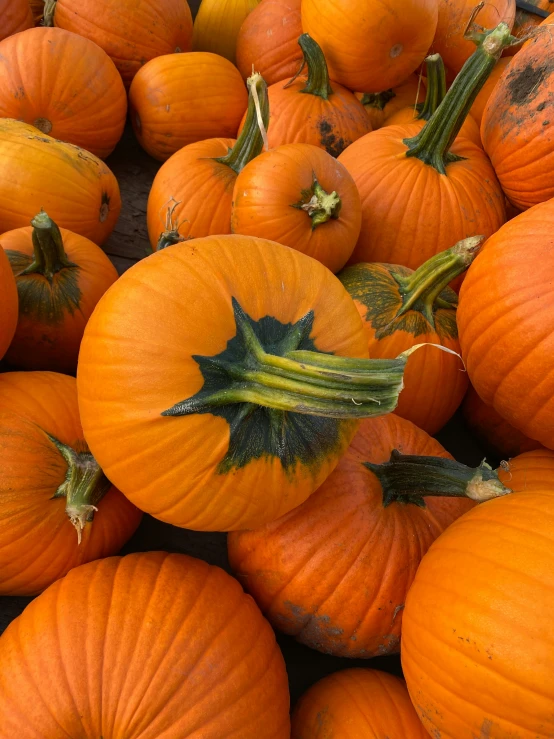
318 74
410 478
436 87
49 254
433 143
377 100
49 11
319 204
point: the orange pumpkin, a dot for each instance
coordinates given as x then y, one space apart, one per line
192 192
178 99
357 703
268 41
505 324
57 509
60 277
8 304
74 92
422 189
16 16
130 34
381 105
217 25
525 21
529 472
399 41
77 189
335 571
480 102
151 644
287 407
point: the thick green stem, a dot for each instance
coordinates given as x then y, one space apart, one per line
432 144
49 254
318 75
410 478
49 11
320 205
436 87
377 100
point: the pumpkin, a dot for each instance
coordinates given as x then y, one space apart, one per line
475 651
401 308
299 196
8 304
529 471
423 188
57 509
130 34
354 703
75 93
335 571
505 325
178 99
480 102
268 39
493 432
192 192
526 21
206 453
152 644
217 25
37 8
60 277
399 41
381 105
77 189
16 16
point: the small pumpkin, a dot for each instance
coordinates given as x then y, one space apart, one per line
381 105
60 277
335 571
75 93
76 188
217 25
130 34
8 304
267 41
480 102
299 196
16 16
399 41
57 509
151 644
357 702
178 99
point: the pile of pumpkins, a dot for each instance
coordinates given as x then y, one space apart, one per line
351 223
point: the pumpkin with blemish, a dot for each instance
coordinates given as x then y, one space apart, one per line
8 304
60 276
217 25
16 16
72 90
382 105
57 509
77 190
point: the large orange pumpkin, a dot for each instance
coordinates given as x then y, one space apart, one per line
357 704
76 188
382 105
505 321
130 33
60 277
301 197
8 304
57 509
178 99
152 645
245 411
335 571
268 41
64 85
369 45
422 189
16 15
217 25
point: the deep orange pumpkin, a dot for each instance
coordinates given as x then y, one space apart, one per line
130 34
16 16
64 85
8 304
178 99
382 105
50 486
299 196
530 471
152 645
358 704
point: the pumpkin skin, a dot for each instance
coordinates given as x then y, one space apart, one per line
291 566
37 8
78 191
381 106
38 542
71 91
400 42
16 16
525 22
178 99
505 328
130 34
268 40
359 704
469 130
8 304
529 472
280 178
475 653
217 25
480 103
166 626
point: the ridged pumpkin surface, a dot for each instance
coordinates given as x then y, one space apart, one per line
147 646
16 16
217 25
530 471
64 85
38 542
78 191
8 304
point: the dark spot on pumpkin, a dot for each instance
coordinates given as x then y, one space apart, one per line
541 106
524 84
332 145
545 123
104 207
43 124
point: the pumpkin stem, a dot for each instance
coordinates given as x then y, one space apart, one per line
49 11
170 235
377 100
318 74
407 478
49 254
251 140
83 488
436 87
433 142
319 204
